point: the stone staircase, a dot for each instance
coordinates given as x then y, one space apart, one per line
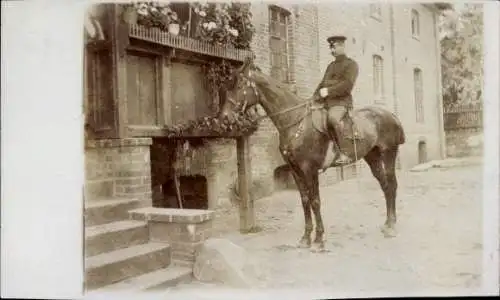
119 253
130 245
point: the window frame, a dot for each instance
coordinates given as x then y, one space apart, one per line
415 29
378 77
285 69
418 94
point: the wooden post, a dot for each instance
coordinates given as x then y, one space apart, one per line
177 184
178 189
119 42
247 211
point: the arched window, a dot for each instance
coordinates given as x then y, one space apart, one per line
418 94
415 24
378 78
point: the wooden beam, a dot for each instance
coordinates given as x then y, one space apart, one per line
177 184
247 210
119 43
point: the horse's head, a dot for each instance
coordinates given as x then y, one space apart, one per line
242 93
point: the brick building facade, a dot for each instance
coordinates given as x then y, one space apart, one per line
396 47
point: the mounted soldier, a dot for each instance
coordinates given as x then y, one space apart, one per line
334 90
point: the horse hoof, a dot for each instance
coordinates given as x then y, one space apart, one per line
304 244
318 247
388 232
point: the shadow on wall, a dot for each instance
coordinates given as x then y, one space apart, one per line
283 178
260 188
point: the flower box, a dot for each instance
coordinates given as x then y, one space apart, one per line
157 36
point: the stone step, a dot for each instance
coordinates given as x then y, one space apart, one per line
111 267
100 211
156 280
113 236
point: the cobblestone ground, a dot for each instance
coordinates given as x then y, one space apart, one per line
438 247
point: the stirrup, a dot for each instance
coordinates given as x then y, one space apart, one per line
342 159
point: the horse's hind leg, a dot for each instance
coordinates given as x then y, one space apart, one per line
382 166
389 158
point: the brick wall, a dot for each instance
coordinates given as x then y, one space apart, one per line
311 24
118 168
216 160
368 35
309 56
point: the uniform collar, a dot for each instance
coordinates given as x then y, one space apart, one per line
340 57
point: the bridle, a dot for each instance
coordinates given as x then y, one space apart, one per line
308 104
244 104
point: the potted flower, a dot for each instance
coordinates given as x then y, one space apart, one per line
170 19
173 24
137 12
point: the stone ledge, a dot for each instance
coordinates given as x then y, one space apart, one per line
116 143
171 215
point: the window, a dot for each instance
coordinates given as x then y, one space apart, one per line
279 20
376 11
378 78
418 94
415 24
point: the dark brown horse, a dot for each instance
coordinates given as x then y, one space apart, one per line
306 145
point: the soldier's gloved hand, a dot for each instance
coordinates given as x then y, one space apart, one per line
323 92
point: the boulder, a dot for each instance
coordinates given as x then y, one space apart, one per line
221 261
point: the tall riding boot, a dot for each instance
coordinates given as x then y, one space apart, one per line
340 157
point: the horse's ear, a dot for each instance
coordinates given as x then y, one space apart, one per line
247 65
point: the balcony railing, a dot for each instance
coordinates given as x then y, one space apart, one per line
155 35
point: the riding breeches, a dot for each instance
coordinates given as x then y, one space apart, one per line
336 113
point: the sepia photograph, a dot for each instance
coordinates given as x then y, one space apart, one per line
332 147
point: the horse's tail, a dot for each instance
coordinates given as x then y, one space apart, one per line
400 137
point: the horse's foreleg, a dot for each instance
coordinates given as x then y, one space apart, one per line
319 242
305 241
386 177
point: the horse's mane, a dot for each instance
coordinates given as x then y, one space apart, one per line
277 88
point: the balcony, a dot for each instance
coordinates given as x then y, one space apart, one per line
143 81
160 37
216 29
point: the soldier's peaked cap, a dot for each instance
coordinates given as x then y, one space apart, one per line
336 38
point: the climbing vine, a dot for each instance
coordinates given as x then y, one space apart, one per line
237 125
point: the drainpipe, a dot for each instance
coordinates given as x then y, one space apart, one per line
439 88
394 60
394 72
318 42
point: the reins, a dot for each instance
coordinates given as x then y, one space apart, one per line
308 110
309 107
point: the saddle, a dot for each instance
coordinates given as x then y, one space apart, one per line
320 122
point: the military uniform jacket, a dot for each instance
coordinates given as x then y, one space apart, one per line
339 79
